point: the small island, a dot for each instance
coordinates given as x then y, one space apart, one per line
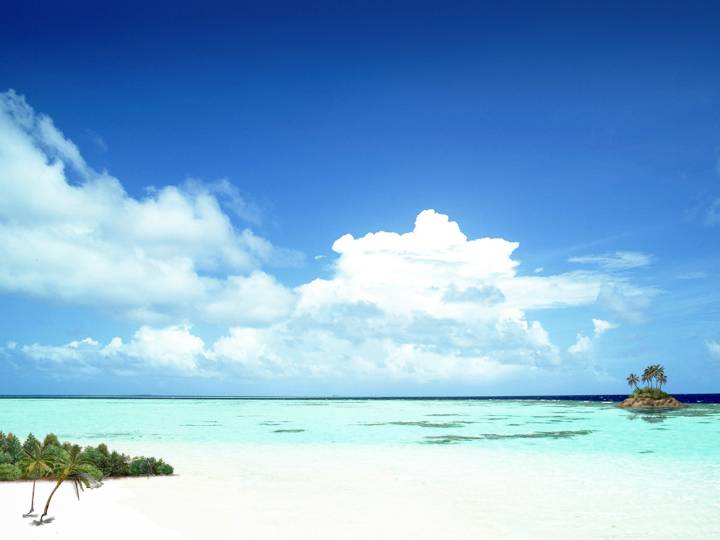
651 396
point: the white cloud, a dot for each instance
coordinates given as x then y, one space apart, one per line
280 352
583 345
625 299
425 305
172 346
619 260
72 351
86 241
600 326
257 298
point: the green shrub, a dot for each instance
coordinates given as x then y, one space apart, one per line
117 465
9 472
140 466
163 468
51 440
13 447
54 453
97 458
71 448
30 441
99 461
651 393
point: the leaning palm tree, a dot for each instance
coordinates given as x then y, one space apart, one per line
73 467
633 380
36 462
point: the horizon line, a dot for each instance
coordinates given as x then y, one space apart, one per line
573 397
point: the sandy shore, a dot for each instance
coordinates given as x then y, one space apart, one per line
324 492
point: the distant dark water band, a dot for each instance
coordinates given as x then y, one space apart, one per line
686 398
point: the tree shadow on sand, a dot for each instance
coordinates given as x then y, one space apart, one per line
38 523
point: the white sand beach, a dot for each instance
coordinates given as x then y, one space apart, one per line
324 492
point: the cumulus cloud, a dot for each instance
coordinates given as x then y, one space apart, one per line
72 234
75 351
619 260
426 304
172 346
584 344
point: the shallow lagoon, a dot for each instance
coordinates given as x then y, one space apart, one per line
533 425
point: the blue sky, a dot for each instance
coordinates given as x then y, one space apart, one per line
174 178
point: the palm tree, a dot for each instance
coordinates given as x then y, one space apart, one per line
648 375
36 462
656 370
660 374
72 466
633 380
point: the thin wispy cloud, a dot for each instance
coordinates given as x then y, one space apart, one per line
618 260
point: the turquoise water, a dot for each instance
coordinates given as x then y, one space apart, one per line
547 426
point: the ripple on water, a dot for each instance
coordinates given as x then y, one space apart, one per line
108 435
422 424
288 430
453 439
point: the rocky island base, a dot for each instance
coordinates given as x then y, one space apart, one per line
651 398
651 403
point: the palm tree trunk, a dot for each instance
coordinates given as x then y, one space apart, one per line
32 501
47 504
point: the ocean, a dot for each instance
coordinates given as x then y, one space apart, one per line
516 469
576 424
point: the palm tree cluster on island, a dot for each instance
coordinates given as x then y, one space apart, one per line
68 463
654 378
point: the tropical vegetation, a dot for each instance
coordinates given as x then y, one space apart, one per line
654 378
66 462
